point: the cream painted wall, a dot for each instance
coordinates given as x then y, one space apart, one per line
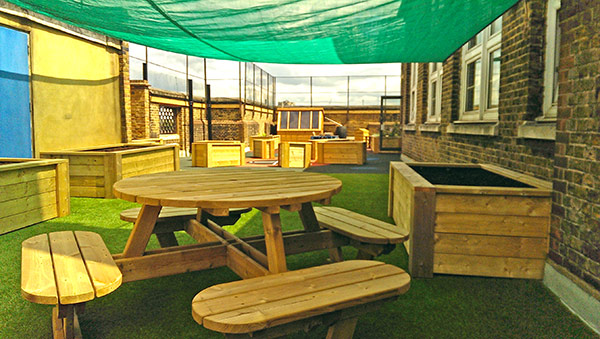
74 89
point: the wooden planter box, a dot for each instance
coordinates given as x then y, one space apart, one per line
471 219
294 154
32 190
93 171
374 142
341 152
218 153
263 147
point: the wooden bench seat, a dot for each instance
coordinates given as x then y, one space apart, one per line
67 269
278 304
173 219
371 236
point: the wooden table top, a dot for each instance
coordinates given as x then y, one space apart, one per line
227 188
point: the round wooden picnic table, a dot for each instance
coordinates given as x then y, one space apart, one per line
219 189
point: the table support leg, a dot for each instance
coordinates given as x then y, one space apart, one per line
142 230
308 217
342 329
167 239
274 242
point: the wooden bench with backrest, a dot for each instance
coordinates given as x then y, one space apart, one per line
173 219
333 295
370 236
67 269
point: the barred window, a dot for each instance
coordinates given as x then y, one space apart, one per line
168 119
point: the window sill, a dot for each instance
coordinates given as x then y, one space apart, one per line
473 128
410 127
431 127
542 130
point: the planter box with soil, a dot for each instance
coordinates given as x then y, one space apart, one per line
93 171
471 219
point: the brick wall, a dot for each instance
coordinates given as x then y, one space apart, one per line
575 228
125 93
140 109
520 100
227 119
572 160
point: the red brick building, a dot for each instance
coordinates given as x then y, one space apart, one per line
524 94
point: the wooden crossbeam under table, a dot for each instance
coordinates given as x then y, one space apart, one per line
215 253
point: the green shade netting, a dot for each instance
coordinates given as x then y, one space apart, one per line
285 31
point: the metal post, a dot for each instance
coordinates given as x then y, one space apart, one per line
311 95
145 71
190 84
208 112
348 101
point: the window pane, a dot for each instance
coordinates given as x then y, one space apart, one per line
473 87
433 98
316 118
294 119
284 119
496 26
476 40
305 119
494 76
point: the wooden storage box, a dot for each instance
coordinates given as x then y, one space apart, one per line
341 152
93 171
374 142
362 134
471 219
218 153
32 190
294 154
263 147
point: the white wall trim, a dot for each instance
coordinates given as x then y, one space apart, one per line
577 300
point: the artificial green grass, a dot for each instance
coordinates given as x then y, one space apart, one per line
444 306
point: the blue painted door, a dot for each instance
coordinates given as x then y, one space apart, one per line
15 115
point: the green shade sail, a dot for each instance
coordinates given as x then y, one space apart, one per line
285 31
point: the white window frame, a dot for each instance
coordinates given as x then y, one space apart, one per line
435 76
414 79
552 54
489 44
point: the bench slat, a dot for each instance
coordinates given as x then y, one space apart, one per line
245 286
262 312
37 276
104 273
359 227
166 212
363 218
292 289
74 285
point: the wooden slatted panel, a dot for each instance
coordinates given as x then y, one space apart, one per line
73 283
255 304
489 266
359 227
104 273
510 225
227 188
37 276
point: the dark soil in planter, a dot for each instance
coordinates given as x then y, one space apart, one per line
462 176
115 149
